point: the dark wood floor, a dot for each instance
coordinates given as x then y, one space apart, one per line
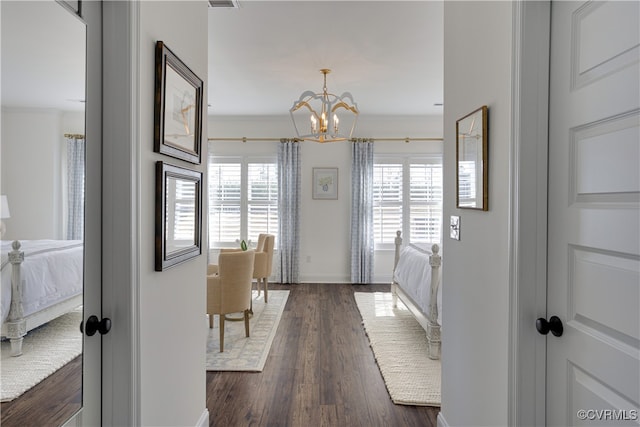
320 372
49 403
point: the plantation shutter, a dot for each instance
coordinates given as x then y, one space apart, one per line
183 227
425 200
407 197
467 181
387 201
262 199
225 190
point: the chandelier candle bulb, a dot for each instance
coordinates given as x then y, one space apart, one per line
313 123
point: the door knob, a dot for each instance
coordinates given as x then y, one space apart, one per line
553 325
95 325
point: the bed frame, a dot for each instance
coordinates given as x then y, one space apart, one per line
429 321
16 326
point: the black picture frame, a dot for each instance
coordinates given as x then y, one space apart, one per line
177 107
178 222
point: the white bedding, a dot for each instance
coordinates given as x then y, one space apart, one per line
51 273
413 275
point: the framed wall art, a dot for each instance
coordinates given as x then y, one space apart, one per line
472 173
325 183
177 107
178 227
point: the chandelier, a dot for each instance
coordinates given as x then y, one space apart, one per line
322 118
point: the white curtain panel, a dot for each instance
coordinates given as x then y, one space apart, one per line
362 243
75 188
289 211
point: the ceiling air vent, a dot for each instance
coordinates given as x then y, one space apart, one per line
224 3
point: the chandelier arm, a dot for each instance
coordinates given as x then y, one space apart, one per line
345 106
304 104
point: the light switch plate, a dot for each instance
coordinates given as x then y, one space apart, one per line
454 227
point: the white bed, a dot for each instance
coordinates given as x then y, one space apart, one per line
417 282
41 280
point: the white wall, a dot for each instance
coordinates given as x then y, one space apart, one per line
325 224
172 303
477 69
33 168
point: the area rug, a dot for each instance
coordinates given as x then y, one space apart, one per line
242 353
44 350
399 345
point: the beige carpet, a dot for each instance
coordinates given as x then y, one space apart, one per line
242 353
399 345
45 350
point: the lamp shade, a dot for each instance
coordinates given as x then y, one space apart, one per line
4 207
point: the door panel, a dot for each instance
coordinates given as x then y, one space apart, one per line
92 362
45 45
593 369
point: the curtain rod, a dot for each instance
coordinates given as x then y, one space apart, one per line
74 135
406 140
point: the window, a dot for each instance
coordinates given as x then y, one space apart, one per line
407 196
262 199
181 231
387 201
243 199
467 181
75 187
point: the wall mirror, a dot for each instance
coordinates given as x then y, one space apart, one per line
44 45
472 159
178 215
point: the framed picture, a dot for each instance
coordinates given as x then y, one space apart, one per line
178 215
472 174
178 108
325 183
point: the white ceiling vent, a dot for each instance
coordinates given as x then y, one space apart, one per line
224 3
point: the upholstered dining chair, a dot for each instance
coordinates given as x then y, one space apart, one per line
264 262
229 290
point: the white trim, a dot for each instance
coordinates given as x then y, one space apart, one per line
528 211
93 383
441 422
135 217
204 419
121 207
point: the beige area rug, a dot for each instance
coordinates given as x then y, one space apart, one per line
44 350
242 353
399 345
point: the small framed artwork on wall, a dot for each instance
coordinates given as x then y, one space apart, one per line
325 183
178 107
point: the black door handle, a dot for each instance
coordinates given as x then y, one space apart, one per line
95 325
553 325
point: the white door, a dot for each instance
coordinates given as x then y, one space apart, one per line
55 103
593 369
90 411
92 346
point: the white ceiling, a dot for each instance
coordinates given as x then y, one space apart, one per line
262 55
43 51
388 54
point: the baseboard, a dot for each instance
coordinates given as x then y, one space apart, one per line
313 278
204 419
441 421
